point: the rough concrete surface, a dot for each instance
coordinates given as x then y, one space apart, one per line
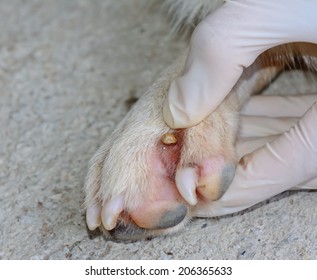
68 70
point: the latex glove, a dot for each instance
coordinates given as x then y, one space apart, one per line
226 42
288 160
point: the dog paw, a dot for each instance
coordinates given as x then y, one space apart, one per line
130 184
140 184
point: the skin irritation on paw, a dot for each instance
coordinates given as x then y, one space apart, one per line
168 139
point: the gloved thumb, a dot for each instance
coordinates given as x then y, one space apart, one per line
228 41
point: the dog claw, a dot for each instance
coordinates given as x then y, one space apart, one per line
186 184
93 216
110 212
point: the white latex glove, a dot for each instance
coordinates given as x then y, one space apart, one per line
288 160
225 43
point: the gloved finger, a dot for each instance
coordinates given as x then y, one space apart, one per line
256 131
225 43
278 106
247 145
254 126
281 165
308 185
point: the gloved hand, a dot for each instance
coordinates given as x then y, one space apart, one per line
225 43
278 160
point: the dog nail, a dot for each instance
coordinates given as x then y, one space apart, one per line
110 212
93 216
186 184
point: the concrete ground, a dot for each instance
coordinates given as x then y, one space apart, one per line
68 71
